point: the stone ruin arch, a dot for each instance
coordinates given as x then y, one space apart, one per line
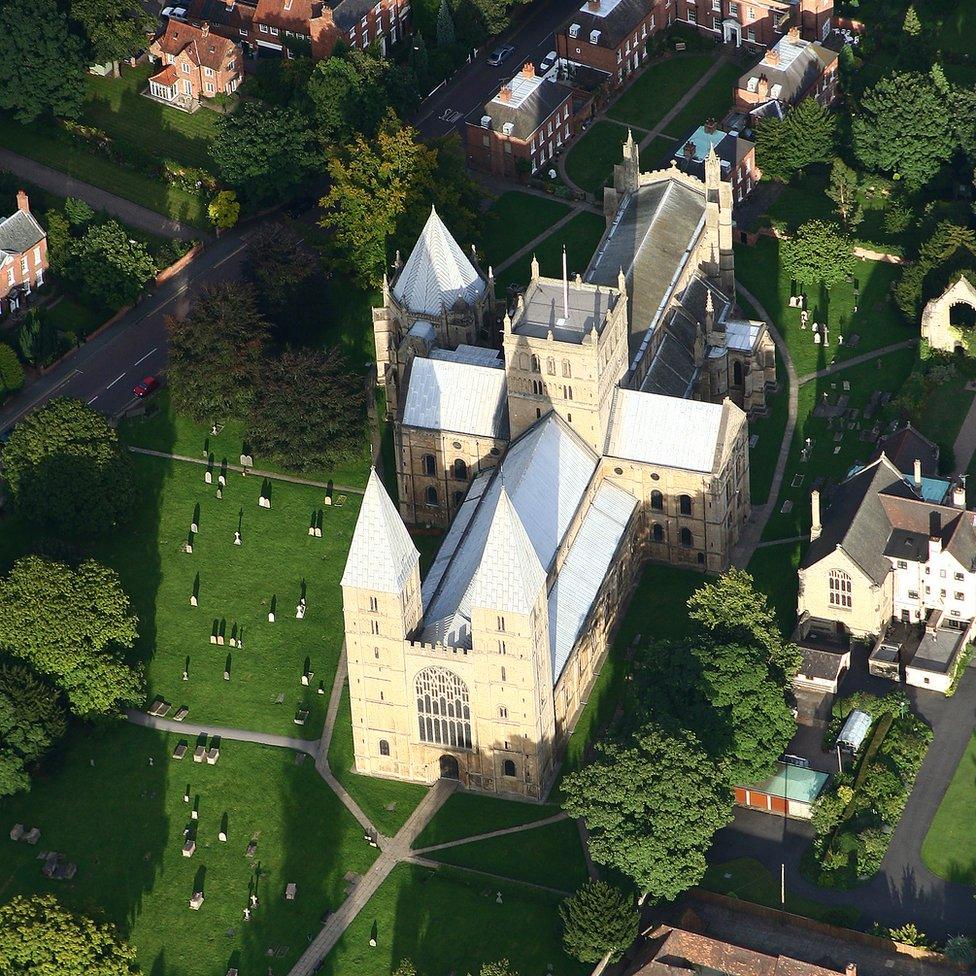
937 327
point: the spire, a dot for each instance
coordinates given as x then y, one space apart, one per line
510 576
713 169
382 555
534 269
565 286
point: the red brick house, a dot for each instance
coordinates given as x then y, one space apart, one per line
23 256
791 70
611 36
196 63
737 158
529 119
757 22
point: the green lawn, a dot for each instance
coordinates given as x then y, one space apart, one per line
657 154
590 162
516 218
580 235
749 880
654 93
470 814
375 796
450 921
774 570
712 102
946 406
551 856
70 315
949 848
100 803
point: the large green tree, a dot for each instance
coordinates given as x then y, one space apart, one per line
67 471
42 70
32 718
110 268
72 624
335 89
819 252
598 920
903 126
842 189
309 409
115 28
264 151
216 354
40 937
805 136
651 806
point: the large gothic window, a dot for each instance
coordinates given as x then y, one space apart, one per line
840 589
443 708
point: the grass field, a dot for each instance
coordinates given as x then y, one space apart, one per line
450 921
655 92
551 856
712 102
949 848
516 218
774 570
470 814
70 315
100 803
590 162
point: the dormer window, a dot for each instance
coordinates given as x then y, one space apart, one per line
574 30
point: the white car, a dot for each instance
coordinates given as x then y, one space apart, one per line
547 62
166 11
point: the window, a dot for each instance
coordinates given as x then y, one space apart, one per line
537 387
535 364
500 624
501 647
692 15
717 6
210 87
384 747
913 594
567 369
684 504
230 64
959 576
503 674
460 470
902 564
734 10
657 501
186 68
567 393
502 711
960 596
429 464
574 30
443 708
751 12
657 532
751 35
737 373
274 31
373 604
263 28
208 72
686 539
551 366
242 31
431 495
374 627
840 589
509 767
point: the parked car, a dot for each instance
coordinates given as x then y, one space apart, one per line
166 11
146 386
545 66
501 54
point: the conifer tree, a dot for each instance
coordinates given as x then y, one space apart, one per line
445 26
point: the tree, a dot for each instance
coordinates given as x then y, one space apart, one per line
903 126
445 26
805 136
224 210
115 28
651 806
500 968
405 968
59 240
109 267
819 251
286 276
11 372
309 410
41 66
334 89
597 920
264 152
67 471
37 339
72 625
960 950
912 26
215 354
78 212
842 189
372 183
32 718
39 936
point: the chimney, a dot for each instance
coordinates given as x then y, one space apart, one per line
710 126
504 94
593 6
205 30
762 87
918 473
22 202
771 57
528 70
850 969
959 495
935 534
815 527
793 35
689 151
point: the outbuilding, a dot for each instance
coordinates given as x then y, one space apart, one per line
855 730
789 792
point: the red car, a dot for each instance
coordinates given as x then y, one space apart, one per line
147 386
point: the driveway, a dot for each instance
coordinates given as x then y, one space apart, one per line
904 890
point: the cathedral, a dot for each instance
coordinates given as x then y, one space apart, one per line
608 426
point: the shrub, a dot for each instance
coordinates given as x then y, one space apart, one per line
596 920
959 949
11 372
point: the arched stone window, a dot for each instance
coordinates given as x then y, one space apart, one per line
384 747
686 539
460 470
509 767
535 364
567 369
657 532
431 495
684 504
523 361
429 464
840 589
443 709
737 373
657 501
458 498
550 366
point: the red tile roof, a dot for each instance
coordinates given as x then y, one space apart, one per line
167 77
203 47
293 15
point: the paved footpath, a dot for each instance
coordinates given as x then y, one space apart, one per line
309 746
63 185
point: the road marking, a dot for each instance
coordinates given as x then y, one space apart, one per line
92 400
117 378
148 354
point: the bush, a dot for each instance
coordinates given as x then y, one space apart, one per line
960 950
11 372
597 920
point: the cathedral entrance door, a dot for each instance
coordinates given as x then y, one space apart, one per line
449 768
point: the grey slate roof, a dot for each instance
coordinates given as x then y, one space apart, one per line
526 114
475 355
20 232
801 63
907 444
649 238
545 309
614 26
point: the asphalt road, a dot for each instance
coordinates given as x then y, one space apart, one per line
531 36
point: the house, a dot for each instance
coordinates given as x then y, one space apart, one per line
610 36
23 256
789 792
197 63
231 20
669 951
759 23
522 128
736 154
893 560
791 70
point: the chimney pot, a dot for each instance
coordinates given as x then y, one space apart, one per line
959 495
528 70
762 88
918 473
689 150
205 30
771 56
815 527
710 126
593 5
850 969
22 201
505 94
793 34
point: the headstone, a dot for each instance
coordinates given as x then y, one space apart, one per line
498 898
208 477
318 532
186 675
194 814
237 539
222 481
220 639
305 680
247 914
193 600
196 901
227 676
220 494
291 891
194 528
254 901
816 338
188 548
300 611
271 618
188 848
17 831
311 530
328 499
213 638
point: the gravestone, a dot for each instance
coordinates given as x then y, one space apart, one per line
196 901
237 539
222 481
271 617
222 836
194 528
208 477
